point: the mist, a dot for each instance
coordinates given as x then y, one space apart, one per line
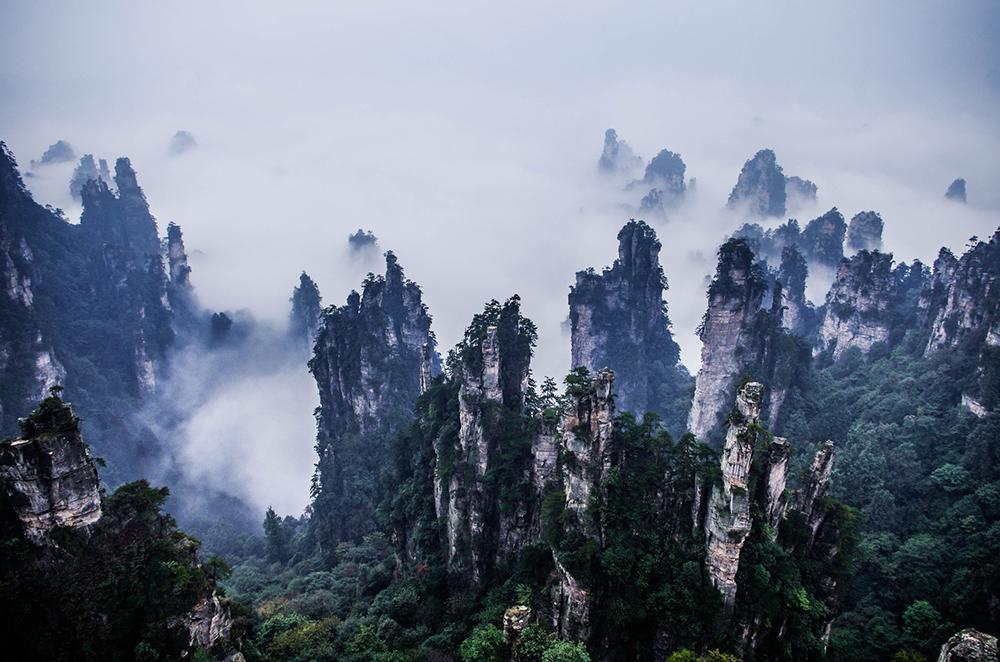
466 136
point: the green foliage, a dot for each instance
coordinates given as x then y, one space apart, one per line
564 651
118 592
485 644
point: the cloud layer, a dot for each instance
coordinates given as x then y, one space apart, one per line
466 137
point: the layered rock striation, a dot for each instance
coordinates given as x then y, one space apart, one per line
858 309
618 320
48 476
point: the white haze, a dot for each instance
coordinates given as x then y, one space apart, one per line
466 137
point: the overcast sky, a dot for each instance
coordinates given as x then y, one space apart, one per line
465 135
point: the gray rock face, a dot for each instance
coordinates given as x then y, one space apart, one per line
367 362
617 156
209 624
965 294
180 291
493 376
586 426
857 312
970 646
47 475
368 353
864 233
815 487
618 320
956 191
585 435
727 524
727 331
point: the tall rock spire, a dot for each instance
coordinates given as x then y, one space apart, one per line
304 319
727 332
367 365
618 320
728 523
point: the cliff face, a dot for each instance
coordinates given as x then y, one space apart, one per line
618 320
864 233
180 291
48 477
857 312
486 483
727 333
367 365
304 319
585 438
797 313
83 300
964 298
727 524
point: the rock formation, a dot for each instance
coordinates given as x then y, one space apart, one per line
617 156
726 332
83 300
728 521
821 243
493 376
956 191
618 320
965 294
88 171
970 646
797 312
367 365
652 203
864 233
664 178
180 291
858 306
823 239
763 190
58 152
362 243
799 192
48 477
304 319
586 429
761 186
121 220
